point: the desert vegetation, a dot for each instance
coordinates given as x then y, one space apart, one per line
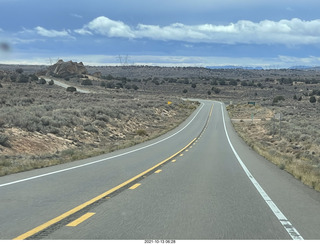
43 124
286 135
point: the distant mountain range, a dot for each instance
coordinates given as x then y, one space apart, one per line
233 67
305 67
300 67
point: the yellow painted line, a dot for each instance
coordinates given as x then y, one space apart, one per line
158 171
211 110
134 186
187 150
81 219
181 154
95 199
173 160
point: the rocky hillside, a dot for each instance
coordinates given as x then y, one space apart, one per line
66 69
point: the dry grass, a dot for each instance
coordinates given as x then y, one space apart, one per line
43 125
296 150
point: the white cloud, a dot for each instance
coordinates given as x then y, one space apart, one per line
288 32
107 27
51 33
83 32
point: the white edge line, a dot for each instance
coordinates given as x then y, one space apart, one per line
104 159
283 220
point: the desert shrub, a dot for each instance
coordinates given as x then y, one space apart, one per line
110 85
45 120
51 82
90 128
33 77
54 130
312 99
185 91
222 83
19 70
22 78
30 123
4 139
99 123
278 99
86 82
315 93
109 77
118 85
64 117
135 87
172 80
216 90
214 83
141 132
42 81
233 83
71 89
102 117
103 84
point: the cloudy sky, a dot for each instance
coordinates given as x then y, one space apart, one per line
267 33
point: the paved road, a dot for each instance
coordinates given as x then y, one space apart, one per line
200 181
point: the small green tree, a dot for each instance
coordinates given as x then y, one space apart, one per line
42 81
19 70
233 83
22 78
71 89
109 77
244 83
278 99
110 85
312 99
222 83
86 82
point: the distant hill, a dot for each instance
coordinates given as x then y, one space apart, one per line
302 67
234 67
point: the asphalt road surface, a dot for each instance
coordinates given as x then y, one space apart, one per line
199 181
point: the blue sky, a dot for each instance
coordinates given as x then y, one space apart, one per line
272 33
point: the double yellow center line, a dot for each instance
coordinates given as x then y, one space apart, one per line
103 195
97 198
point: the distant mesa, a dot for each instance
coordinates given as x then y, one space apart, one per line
234 67
66 69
